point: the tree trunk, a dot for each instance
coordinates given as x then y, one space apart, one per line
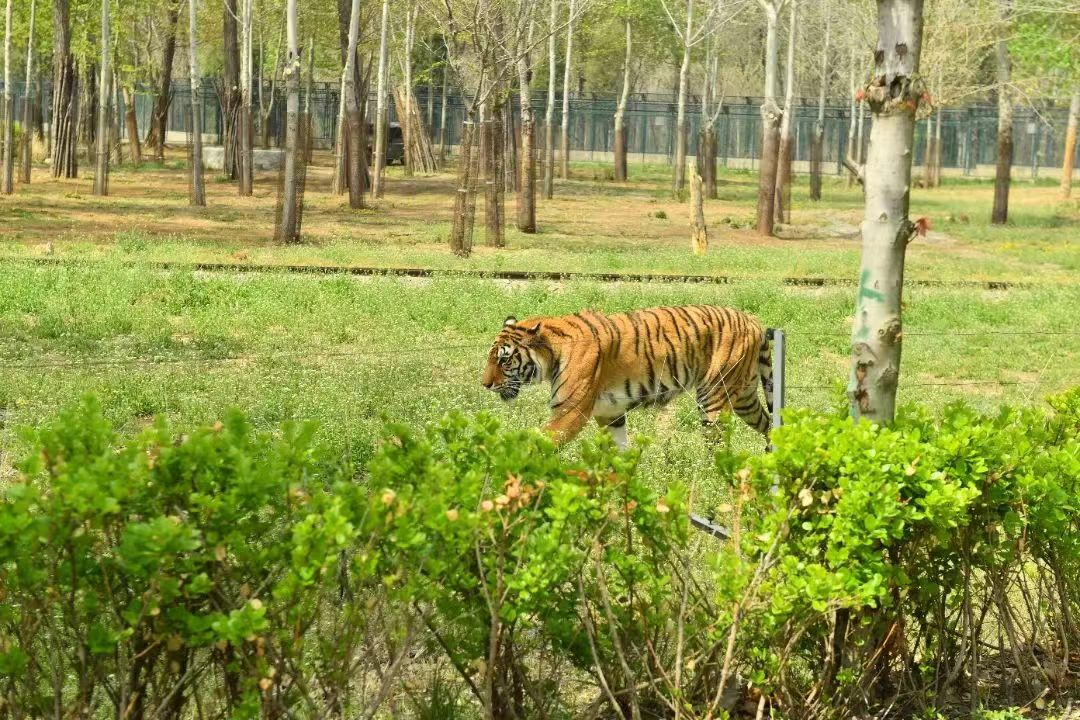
406 117
1070 147
680 121
131 123
770 124
1005 127
526 199
442 117
101 170
245 153
160 119
620 114
288 230
549 118
706 165
699 236
231 101
852 150
381 125
198 191
886 230
115 136
87 124
928 154
817 143
7 181
351 105
26 159
783 172
495 234
937 148
65 97
564 139
460 235
417 141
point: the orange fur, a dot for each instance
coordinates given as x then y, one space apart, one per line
600 366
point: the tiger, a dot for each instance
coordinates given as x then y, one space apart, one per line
602 366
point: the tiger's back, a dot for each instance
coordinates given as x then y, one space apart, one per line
603 366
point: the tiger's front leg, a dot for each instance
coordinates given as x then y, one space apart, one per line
570 415
617 428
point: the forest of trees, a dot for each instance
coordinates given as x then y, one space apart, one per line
91 54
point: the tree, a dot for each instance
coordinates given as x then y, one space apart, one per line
381 117
231 93
160 117
1003 174
1070 146
526 200
770 121
350 103
783 171
893 95
620 108
8 159
101 170
63 125
817 146
198 189
28 102
549 116
564 139
245 150
288 226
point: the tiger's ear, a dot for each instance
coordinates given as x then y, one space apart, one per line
510 320
534 329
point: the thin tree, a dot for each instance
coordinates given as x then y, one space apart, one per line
549 116
893 96
771 115
564 138
817 143
406 122
381 129
852 154
231 87
621 169
101 169
712 102
288 227
245 152
198 190
350 98
29 99
783 163
1070 146
1003 174
526 199
7 182
160 117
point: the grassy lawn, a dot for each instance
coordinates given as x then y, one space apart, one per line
353 351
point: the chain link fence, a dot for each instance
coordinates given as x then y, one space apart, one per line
968 133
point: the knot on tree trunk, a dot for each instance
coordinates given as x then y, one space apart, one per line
890 332
897 94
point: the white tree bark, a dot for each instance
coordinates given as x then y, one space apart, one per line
680 121
380 106
7 181
564 141
347 105
770 122
852 151
783 170
620 113
29 98
1003 176
198 189
526 200
406 123
1070 146
549 118
893 97
245 153
105 95
288 229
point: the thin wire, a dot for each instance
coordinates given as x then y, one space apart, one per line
943 333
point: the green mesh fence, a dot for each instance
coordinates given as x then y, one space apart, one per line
968 134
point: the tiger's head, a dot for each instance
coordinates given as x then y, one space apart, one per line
514 360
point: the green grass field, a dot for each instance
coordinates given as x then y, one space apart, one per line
351 351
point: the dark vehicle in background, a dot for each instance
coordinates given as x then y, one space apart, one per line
395 144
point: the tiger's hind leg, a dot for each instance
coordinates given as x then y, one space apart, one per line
617 428
748 406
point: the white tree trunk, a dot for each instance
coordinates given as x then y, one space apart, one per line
289 223
406 123
783 169
1070 146
893 97
817 150
349 104
549 118
680 121
245 151
29 97
7 181
1003 176
105 95
852 151
620 113
564 141
381 128
198 190
526 200
770 124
